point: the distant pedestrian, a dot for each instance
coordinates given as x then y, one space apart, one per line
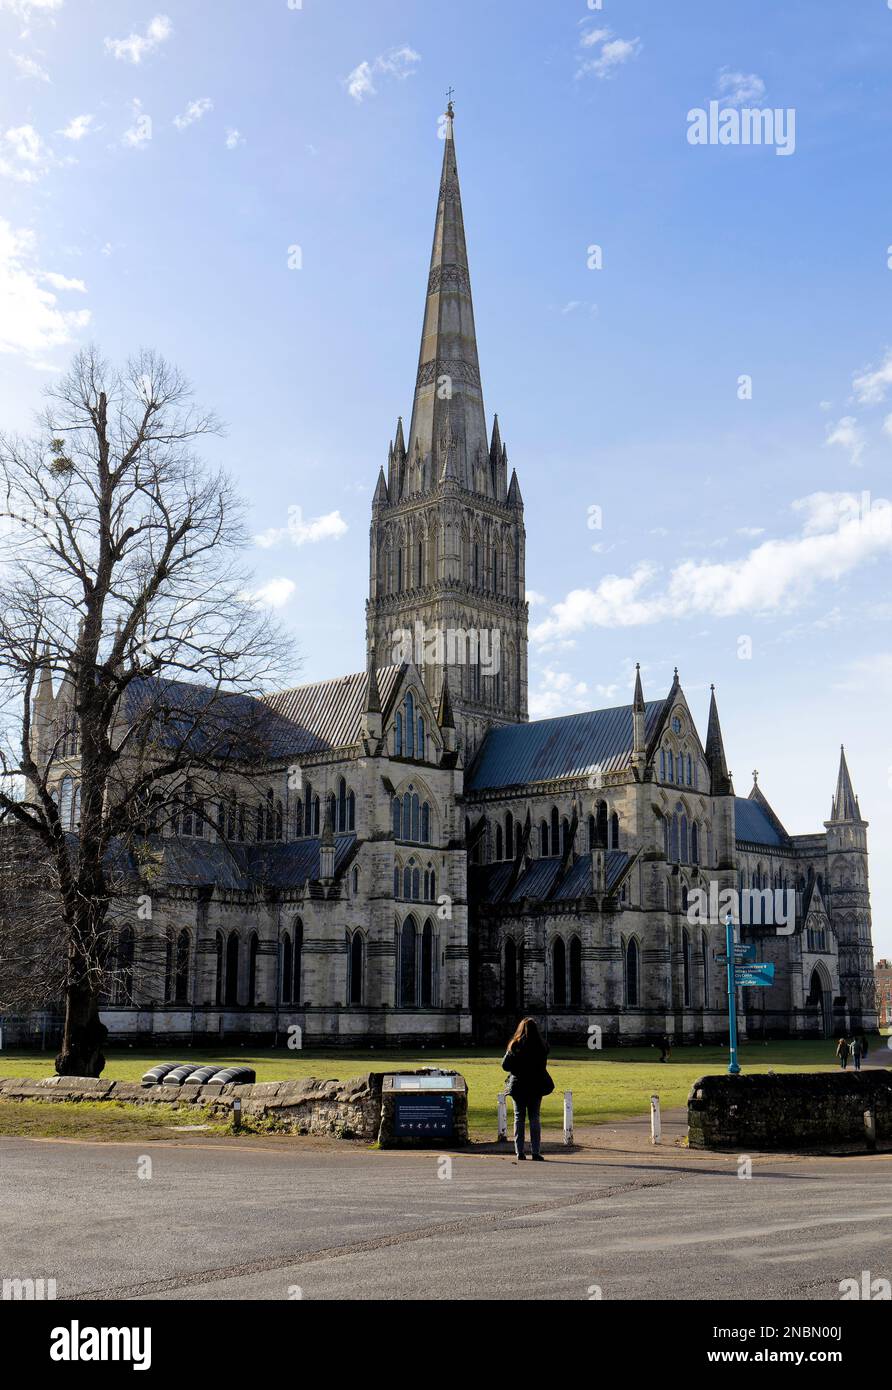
842 1052
855 1050
528 1083
665 1048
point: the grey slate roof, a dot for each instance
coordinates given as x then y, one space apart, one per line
751 823
329 713
540 882
307 719
197 863
569 746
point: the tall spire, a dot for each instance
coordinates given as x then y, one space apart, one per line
845 802
448 367
720 778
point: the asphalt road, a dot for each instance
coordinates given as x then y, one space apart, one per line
250 1221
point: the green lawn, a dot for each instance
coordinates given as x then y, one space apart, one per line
606 1086
91 1119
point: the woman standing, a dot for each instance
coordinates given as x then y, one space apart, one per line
525 1060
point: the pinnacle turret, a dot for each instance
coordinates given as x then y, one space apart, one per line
845 803
720 778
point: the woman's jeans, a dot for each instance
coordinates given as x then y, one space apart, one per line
522 1109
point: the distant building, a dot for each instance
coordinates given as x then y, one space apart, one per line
441 865
883 974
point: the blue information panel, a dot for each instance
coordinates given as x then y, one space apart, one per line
424 1116
761 973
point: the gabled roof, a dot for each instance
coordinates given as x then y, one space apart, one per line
198 863
542 882
569 746
328 714
753 824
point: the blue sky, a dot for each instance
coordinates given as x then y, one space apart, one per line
159 163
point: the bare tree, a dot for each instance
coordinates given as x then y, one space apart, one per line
122 589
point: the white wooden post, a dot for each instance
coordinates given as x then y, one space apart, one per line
237 1113
503 1117
656 1127
870 1129
568 1117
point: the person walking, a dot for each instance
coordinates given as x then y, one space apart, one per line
528 1083
665 1048
842 1052
855 1050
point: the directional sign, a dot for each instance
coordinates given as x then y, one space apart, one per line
741 953
754 975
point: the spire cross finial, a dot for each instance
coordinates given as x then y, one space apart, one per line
755 776
450 94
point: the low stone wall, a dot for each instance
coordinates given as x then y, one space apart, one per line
344 1109
790 1111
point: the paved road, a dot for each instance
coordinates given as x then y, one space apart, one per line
256 1220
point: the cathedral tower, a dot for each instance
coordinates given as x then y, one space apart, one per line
850 899
447 585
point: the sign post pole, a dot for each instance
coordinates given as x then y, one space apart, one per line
733 1064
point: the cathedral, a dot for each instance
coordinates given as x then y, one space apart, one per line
422 864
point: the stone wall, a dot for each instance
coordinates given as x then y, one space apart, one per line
790 1111
343 1109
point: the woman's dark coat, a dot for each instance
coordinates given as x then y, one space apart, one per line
528 1078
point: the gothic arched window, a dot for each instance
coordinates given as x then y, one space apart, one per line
355 959
686 966
427 965
632 981
410 725
559 974
575 972
398 735
253 950
614 831
230 995
408 976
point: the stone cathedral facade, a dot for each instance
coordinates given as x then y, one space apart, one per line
439 865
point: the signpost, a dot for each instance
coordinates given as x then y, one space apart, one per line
743 970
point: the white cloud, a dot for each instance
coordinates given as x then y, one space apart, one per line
234 138
193 112
136 46
848 434
26 9
399 63
62 282
140 133
23 155
774 576
275 594
750 531
738 88
614 52
299 532
534 598
77 128
558 693
871 386
29 67
31 321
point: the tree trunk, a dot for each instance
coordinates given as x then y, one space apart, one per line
84 1034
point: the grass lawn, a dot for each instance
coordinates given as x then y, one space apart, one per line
606 1086
36 1119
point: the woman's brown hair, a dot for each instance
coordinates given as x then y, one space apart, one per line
526 1032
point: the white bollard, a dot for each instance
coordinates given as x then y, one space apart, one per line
656 1127
870 1130
503 1117
237 1113
568 1117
